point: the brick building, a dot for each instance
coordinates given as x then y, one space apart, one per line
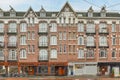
64 42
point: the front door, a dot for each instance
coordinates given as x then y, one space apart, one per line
31 70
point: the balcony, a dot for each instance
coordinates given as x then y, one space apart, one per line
90 46
12 44
43 58
12 31
43 44
1 44
43 32
12 58
90 32
103 46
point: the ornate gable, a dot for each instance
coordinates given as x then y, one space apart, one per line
30 13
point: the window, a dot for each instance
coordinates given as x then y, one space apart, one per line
1 27
70 48
53 40
23 54
80 27
53 53
113 40
90 28
43 69
43 27
80 40
103 41
90 41
64 50
53 27
33 48
102 28
60 48
29 50
43 41
23 27
12 55
113 53
60 35
90 14
12 41
33 35
103 53
43 54
1 39
64 35
1 13
31 20
23 40
12 27
103 14
90 53
42 14
1 54
80 53
29 35
113 27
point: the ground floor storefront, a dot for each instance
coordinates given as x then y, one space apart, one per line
34 68
82 68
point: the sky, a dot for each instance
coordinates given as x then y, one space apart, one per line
56 5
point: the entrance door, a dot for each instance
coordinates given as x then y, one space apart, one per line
31 70
61 71
70 70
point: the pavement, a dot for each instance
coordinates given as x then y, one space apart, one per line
60 78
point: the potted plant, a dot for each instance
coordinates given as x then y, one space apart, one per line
112 73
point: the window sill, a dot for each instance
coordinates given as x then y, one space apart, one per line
23 58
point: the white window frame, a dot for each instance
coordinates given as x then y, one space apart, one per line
23 54
80 27
103 53
43 27
103 27
43 54
43 41
12 27
53 27
23 40
80 40
81 54
23 27
53 54
1 27
53 40
90 28
90 53
90 41
103 41
12 54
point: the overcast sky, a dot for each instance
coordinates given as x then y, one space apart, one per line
56 5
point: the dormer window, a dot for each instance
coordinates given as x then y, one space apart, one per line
12 12
103 12
90 12
42 12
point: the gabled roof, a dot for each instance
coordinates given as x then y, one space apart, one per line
29 10
67 5
90 9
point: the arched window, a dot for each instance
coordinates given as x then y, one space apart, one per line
90 41
23 54
43 41
53 53
1 27
103 53
12 55
90 28
12 39
80 40
103 41
12 27
43 27
53 40
43 54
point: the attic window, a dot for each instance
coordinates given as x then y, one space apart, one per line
103 14
90 14
42 14
12 14
53 15
80 15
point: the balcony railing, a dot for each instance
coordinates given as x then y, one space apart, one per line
103 31
12 30
12 44
90 45
1 44
43 44
43 58
103 45
90 31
